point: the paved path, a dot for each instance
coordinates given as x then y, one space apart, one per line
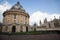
31 37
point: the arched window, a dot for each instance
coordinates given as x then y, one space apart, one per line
14 16
56 24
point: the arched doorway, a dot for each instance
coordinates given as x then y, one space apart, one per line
13 28
26 28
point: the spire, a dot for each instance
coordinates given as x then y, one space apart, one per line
35 24
17 6
45 21
54 17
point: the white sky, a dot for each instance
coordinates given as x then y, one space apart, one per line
38 15
3 7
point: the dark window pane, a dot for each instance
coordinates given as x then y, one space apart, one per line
14 16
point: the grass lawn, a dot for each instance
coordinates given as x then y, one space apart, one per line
33 33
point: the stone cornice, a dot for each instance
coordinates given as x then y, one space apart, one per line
16 24
15 12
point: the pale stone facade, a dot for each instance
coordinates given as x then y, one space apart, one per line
51 25
16 19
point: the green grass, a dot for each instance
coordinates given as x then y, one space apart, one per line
34 33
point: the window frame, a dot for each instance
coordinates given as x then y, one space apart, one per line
14 16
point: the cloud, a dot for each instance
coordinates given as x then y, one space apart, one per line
3 7
38 15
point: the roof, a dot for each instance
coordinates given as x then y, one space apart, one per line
17 6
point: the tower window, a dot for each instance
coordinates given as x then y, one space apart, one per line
56 24
14 16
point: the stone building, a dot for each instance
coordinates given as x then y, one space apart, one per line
1 25
16 19
49 25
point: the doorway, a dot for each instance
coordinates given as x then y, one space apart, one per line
13 28
26 29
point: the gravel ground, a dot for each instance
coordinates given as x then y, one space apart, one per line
31 37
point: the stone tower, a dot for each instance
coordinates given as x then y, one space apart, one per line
15 19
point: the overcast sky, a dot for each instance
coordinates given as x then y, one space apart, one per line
37 9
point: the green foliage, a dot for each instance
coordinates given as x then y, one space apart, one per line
33 33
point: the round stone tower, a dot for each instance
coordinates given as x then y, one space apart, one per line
16 19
